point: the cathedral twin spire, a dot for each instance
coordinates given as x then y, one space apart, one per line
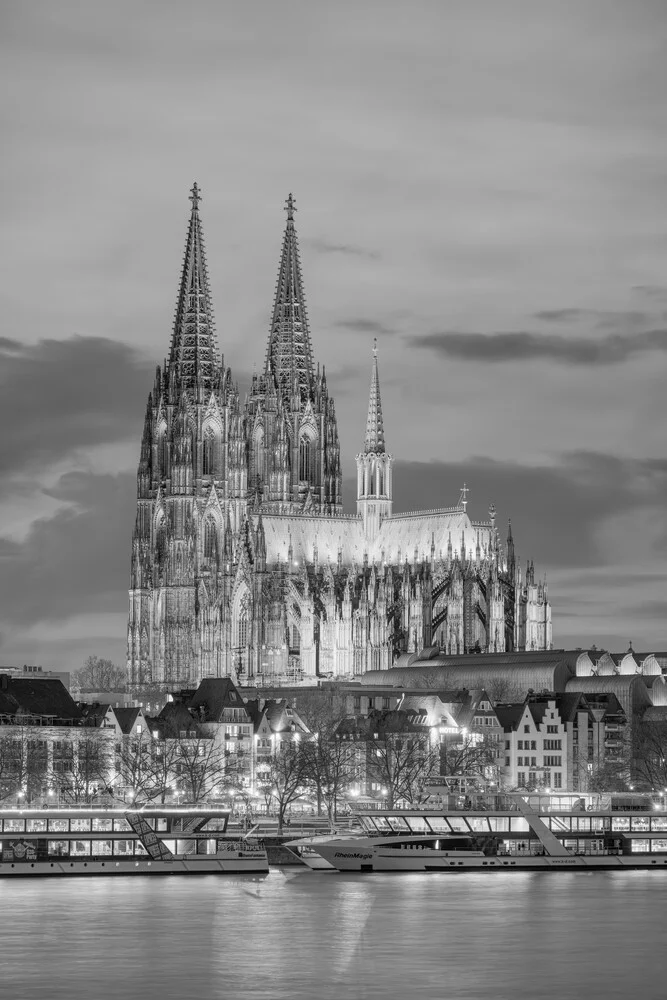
289 355
194 350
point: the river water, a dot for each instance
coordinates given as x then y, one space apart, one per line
301 934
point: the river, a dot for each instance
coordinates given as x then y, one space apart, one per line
299 934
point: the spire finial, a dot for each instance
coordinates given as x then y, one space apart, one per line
375 347
195 196
290 207
463 501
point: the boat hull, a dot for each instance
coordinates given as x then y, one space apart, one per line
191 865
357 858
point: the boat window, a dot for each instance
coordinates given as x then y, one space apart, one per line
140 849
559 823
601 823
417 824
620 822
659 823
103 847
382 824
659 845
398 824
14 825
499 824
519 824
36 825
123 847
121 826
102 824
59 825
367 824
478 824
581 823
80 824
640 823
640 846
80 847
161 825
458 824
57 848
438 824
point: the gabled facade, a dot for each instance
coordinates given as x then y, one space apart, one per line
243 562
535 751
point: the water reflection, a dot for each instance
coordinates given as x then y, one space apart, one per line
297 934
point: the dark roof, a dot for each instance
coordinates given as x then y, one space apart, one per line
127 718
275 711
509 716
173 719
93 713
569 705
46 697
214 694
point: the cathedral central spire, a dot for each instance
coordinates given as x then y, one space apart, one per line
374 441
194 349
289 354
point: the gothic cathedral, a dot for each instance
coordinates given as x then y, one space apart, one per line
243 562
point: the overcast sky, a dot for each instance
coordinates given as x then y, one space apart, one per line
480 185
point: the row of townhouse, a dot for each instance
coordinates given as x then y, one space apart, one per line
53 747
558 741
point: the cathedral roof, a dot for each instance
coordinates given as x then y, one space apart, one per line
374 441
194 349
397 538
289 354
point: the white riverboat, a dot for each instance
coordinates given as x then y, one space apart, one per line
305 849
515 832
149 841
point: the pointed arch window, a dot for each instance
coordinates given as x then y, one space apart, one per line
163 453
295 639
210 547
208 453
259 453
307 461
242 621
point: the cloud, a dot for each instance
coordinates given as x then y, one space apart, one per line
76 562
57 396
559 512
522 346
365 326
561 315
651 291
350 249
602 318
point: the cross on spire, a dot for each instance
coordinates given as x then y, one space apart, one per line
463 498
195 196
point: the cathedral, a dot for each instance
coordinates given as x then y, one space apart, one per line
243 562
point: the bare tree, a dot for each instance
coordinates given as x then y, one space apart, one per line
99 674
401 757
23 763
283 777
199 765
86 766
136 768
648 752
471 754
330 766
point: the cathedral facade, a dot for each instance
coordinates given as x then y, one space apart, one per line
243 562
